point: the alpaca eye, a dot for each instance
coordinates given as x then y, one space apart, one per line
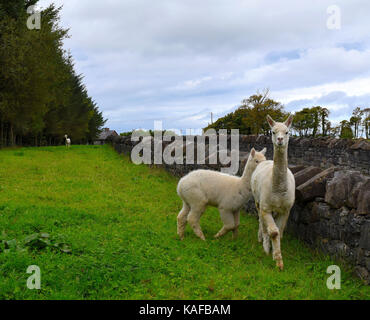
256 161
273 132
287 132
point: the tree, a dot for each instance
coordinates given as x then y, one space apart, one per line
325 124
259 106
305 121
308 121
346 131
250 116
366 121
316 120
355 120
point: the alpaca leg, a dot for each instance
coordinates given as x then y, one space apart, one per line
274 234
227 218
260 231
276 252
236 224
266 242
269 222
193 219
182 219
281 222
260 228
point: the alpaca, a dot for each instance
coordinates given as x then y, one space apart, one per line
273 188
200 188
68 141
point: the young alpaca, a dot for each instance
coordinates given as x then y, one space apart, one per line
200 188
68 141
273 188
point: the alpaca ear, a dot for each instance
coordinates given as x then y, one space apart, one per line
288 122
253 152
270 121
263 151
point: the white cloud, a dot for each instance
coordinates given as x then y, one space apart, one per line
179 60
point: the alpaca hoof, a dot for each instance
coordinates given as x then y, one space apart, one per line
280 265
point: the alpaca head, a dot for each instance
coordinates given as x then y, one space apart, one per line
66 136
280 131
255 158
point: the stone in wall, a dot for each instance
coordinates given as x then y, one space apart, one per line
350 188
363 199
295 168
314 187
305 174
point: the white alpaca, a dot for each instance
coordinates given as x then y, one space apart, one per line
273 188
200 188
68 141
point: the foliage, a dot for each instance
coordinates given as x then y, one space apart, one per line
126 134
41 96
355 120
308 121
120 222
346 131
250 117
366 122
35 241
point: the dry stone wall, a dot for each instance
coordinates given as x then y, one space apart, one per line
320 152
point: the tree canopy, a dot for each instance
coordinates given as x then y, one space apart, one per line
41 96
250 116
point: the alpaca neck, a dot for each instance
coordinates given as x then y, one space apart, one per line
246 177
280 169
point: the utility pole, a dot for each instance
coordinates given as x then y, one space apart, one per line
211 117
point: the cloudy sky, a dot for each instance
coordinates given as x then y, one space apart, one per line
179 60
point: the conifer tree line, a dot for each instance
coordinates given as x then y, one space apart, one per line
41 96
250 118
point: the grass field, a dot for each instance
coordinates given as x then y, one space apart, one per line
119 220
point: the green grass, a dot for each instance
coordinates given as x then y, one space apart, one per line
120 221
